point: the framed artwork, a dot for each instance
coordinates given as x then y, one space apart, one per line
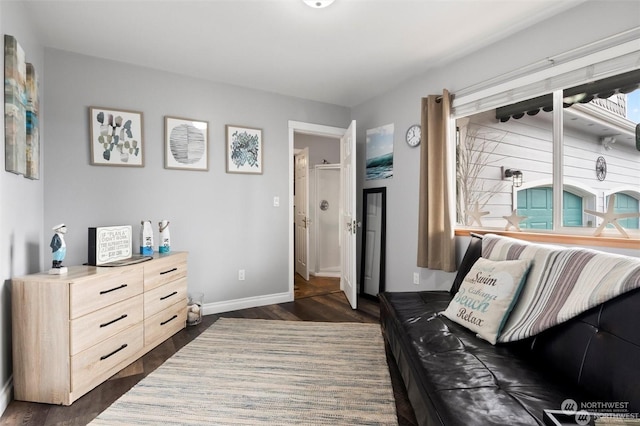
15 107
379 152
244 149
186 144
33 132
116 137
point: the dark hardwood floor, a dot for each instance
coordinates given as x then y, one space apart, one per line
316 286
311 304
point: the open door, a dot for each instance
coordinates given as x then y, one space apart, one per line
348 222
301 216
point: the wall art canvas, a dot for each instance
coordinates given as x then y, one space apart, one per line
244 149
15 107
33 128
379 152
116 137
186 144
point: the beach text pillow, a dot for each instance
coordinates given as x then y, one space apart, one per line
487 294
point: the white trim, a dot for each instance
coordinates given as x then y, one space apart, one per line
629 190
611 56
557 174
605 118
6 396
316 129
247 302
615 40
327 274
309 129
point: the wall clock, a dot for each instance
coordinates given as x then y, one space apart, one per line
413 135
601 168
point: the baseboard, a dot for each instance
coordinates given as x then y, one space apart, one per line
336 274
249 302
6 396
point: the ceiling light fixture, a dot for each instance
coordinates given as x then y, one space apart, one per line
318 4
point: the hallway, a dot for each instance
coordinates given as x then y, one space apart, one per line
316 286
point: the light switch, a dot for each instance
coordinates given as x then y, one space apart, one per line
276 201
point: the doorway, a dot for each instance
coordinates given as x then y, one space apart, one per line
345 139
316 203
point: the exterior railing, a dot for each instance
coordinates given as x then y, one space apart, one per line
616 104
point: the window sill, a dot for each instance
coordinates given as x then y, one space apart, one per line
539 237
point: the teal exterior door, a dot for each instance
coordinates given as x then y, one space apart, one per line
626 204
537 205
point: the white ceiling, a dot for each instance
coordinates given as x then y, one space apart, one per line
344 54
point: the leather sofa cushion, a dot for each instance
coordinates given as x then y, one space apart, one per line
459 379
598 350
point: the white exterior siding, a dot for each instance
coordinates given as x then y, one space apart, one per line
526 144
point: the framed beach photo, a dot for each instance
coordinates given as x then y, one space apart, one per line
186 144
244 149
116 137
379 152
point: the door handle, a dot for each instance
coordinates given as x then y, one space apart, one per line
356 225
353 225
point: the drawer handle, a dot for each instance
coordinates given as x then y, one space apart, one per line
113 320
170 270
103 357
169 320
113 289
169 295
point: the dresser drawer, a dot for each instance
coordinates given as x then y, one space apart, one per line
97 326
160 298
164 324
164 269
91 367
103 290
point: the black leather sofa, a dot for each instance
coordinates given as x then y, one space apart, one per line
455 378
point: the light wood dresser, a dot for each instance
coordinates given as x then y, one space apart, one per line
72 332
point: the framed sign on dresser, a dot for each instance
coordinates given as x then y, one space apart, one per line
71 332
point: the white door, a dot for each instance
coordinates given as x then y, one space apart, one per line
373 244
301 215
348 223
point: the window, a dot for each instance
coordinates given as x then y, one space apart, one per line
593 157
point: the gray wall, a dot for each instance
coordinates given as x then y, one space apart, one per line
21 205
320 148
586 23
226 221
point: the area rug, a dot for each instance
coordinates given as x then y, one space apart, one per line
266 372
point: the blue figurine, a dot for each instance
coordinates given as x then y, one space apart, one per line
58 246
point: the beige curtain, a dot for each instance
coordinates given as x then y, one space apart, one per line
436 240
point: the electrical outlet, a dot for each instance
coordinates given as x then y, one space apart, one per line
240 274
416 278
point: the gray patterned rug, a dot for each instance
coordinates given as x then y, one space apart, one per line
266 372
